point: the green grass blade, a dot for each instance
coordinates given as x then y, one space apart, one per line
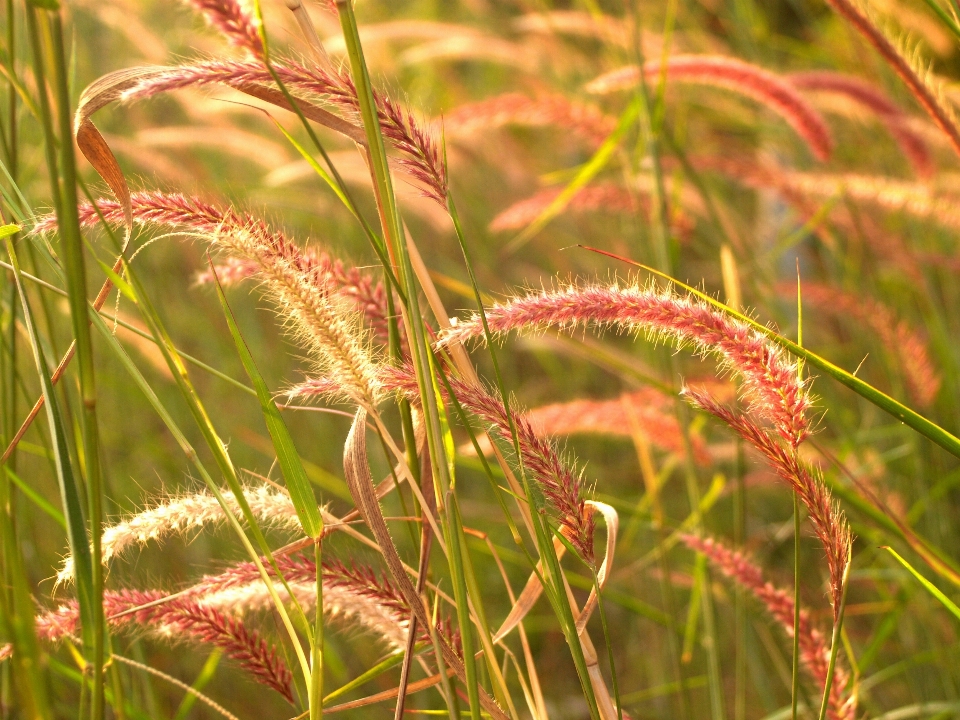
376 671
929 586
37 499
70 493
206 675
301 493
584 175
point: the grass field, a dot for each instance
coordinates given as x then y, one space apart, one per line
494 358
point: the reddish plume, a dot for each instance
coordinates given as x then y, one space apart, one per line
828 521
420 154
814 651
871 97
770 379
182 618
754 82
924 94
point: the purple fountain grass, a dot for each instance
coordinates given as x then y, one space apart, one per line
306 293
233 21
814 651
549 110
605 197
759 84
421 156
353 594
914 78
770 379
871 97
827 519
908 345
179 619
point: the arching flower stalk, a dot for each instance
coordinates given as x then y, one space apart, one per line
814 650
420 155
917 79
185 513
872 98
178 620
218 609
305 292
770 380
827 519
765 87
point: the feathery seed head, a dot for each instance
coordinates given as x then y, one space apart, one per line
305 291
233 21
828 520
750 80
770 379
814 650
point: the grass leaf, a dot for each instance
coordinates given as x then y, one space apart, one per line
301 493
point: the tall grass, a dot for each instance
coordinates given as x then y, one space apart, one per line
543 206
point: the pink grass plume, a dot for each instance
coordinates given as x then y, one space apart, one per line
232 20
867 95
827 519
767 88
770 379
814 650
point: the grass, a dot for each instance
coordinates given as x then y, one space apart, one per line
473 499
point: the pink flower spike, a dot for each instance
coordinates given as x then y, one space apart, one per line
827 519
814 652
754 82
233 21
912 145
770 379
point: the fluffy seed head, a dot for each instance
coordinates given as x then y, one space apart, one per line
770 380
305 292
814 651
750 80
828 520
